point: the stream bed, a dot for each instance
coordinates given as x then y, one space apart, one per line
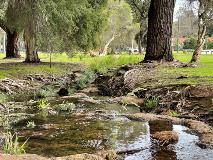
90 128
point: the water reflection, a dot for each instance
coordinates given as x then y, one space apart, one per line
62 135
65 134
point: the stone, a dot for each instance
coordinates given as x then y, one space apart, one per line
129 100
166 137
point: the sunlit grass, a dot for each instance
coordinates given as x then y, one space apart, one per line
203 73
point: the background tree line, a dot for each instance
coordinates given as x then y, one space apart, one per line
88 25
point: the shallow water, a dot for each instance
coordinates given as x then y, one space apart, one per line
92 128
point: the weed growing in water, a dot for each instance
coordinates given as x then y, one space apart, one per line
42 104
11 144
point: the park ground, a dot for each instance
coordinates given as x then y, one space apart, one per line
177 91
200 74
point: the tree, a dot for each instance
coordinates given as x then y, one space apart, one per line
8 22
120 25
76 24
160 20
186 23
140 13
205 16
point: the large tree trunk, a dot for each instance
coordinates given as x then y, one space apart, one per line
160 20
30 46
12 44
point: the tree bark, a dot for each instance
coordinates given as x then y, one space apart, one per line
200 44
202 27
140 39
12 44
30 46
104 52
160 20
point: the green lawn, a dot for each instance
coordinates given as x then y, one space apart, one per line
201 74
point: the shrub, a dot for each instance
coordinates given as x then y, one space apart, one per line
42 104
190 43
85 79
44 92
151 103
66 107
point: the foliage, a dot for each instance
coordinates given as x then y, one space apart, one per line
3 97
66 107
44 92
209 45
140 9
31 124
190 43
11 144
85 79
151 103
82 23
120 29
174 114
42 104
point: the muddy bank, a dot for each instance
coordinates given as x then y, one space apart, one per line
142 84
204 131
103 155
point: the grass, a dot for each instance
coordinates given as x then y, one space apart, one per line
11 144
202 74
167 75
10 69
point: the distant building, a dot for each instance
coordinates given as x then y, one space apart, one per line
2 41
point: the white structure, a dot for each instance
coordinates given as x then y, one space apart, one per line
209 51
2 41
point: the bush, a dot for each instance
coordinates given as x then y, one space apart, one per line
42 104
209 45
151 103
85 79
190 43
44 92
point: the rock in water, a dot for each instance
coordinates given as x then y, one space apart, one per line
166 137
63 92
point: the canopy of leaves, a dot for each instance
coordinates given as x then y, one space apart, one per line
120 25
59 25
139 9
